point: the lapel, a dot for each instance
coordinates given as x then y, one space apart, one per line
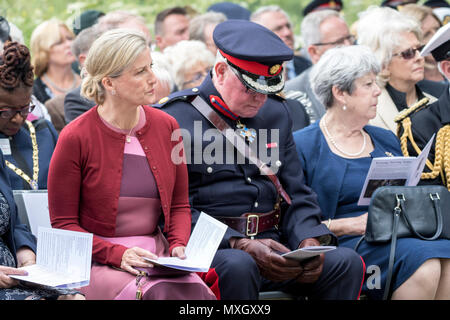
386 112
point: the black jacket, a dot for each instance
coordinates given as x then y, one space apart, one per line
227 186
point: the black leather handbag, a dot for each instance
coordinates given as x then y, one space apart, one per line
397 212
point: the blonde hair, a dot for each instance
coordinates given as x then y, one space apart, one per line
44 36
109 56
419 12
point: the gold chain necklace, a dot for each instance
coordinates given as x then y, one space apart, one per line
32 182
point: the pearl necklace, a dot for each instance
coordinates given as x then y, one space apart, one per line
330 137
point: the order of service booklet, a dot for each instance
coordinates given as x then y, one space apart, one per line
201 247
393 171
307 252
63 259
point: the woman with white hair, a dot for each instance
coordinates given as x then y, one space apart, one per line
112 174
191 61
396 40
339 149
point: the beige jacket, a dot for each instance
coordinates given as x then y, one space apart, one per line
387 111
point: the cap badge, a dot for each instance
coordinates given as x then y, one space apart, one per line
274 69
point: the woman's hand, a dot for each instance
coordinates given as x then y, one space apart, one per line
133 257
25 257
6 281
355 226
179 252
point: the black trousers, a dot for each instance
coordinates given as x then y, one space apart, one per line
239 277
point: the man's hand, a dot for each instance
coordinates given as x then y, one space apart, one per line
271 264
312 268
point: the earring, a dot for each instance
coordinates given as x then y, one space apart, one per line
113 92
344 107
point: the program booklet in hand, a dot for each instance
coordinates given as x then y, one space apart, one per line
307 252
63 259
201 247
393 171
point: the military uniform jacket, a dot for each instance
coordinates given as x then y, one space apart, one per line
426 122
223 185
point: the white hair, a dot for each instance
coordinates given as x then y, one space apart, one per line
340 67
310 26
184 55
381 29
162 69
255 16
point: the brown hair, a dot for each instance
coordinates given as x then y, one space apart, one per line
15 66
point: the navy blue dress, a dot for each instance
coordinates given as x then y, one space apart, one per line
338 196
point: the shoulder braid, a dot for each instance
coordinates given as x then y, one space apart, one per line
441 165
415 107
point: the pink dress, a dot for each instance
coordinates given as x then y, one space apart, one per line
137 225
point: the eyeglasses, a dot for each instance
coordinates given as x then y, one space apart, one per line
197 77
409 53
350 38
10 112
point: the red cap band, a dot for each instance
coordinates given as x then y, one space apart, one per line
254 67
332 5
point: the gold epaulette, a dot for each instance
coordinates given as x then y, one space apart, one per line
281 94
415 107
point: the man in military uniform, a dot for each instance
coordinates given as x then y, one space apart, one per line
418 124
267 206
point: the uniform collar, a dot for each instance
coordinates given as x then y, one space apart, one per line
210 94
399 97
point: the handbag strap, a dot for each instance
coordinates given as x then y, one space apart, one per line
437 211
242 147
397 212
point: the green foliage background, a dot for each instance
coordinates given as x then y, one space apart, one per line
27 14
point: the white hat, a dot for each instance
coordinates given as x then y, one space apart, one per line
439 44
443 14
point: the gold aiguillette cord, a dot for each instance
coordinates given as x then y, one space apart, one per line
32 182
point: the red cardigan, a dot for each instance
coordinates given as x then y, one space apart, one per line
85 177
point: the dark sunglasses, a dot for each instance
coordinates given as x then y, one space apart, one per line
10 112
409 53
350 38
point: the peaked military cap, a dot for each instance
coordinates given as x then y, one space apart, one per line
396 3
436 4
439 44
255 54
317 5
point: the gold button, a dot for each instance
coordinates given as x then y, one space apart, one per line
163 100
